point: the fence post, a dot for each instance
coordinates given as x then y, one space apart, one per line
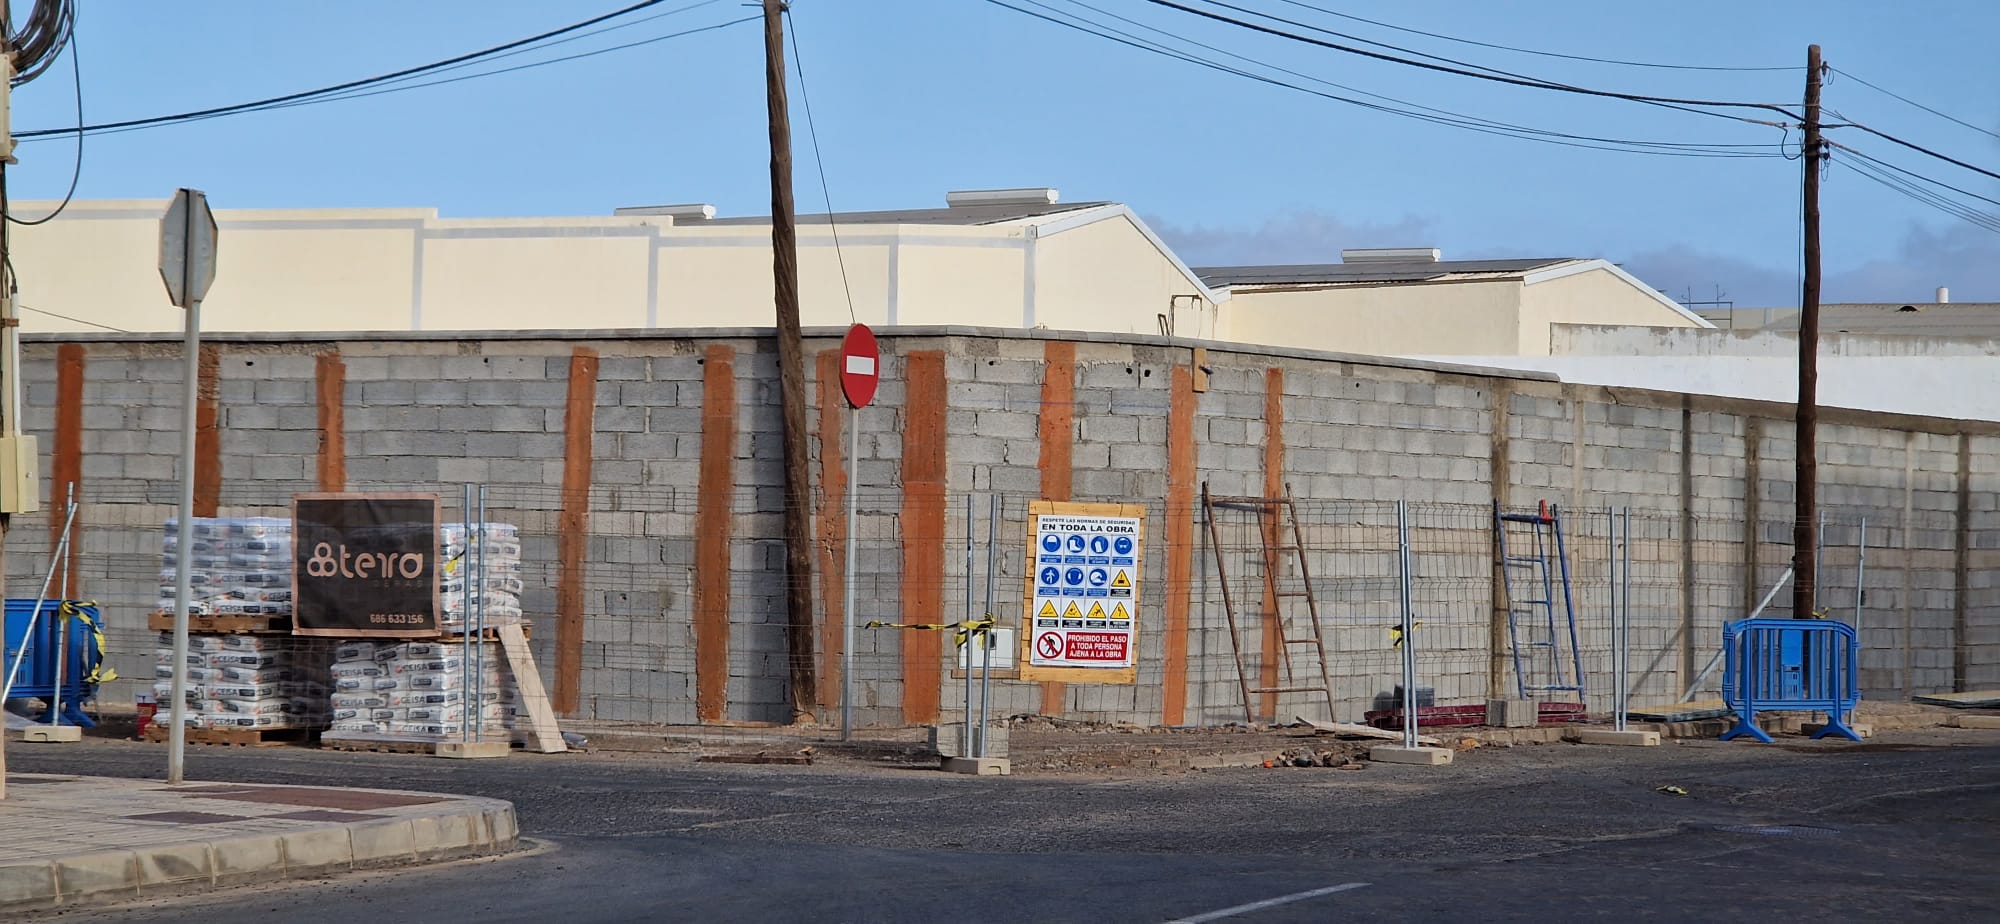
1409 626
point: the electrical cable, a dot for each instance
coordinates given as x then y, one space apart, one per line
1892 139
1911 173
351 84
73 320
76 172
1971 216
812 132
1389 99
40 41
1522 133
1529 51
1887 92
1462 68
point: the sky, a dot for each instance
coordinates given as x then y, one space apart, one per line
911 98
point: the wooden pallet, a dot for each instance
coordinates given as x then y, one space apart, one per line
239 737
224 625
335 741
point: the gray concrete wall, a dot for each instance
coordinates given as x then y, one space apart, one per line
1709 481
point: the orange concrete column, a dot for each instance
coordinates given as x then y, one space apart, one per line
208 433
1180 544
832 519
573 533
923 532
1274 486
1058 450
330 393
66 457
714 517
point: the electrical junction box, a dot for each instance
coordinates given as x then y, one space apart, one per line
20 475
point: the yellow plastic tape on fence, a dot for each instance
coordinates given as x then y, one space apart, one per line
961 631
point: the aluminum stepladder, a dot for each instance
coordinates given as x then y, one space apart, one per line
1278 529
1526 544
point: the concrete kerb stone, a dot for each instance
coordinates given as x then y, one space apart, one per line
463 828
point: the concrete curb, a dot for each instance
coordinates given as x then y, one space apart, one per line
471 827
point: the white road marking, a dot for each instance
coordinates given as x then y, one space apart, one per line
1268 903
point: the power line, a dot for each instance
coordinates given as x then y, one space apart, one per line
356 84
1890 93
53 314
1467 123
1506 126
1892 139
1909 190
812 132
1528 51
1911 173
1460 68
76 172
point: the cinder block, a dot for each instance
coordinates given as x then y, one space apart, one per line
1975 721
1629 738
1512 713
1863 729
1421 756
978 766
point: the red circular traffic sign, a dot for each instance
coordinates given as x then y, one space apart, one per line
860 366
1050 645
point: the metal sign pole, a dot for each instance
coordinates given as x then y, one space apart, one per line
1625 620
184 541
1861 576
464 568
847 611
965 743
61 623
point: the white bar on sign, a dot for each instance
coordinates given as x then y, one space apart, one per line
860 365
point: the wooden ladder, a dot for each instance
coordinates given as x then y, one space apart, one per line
1278 529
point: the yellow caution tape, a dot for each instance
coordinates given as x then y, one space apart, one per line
1396 633
960 630
99 673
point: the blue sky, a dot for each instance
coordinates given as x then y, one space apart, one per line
915 97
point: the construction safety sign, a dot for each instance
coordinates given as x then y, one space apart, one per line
1083 614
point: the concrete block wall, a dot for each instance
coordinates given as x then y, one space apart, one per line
1356 435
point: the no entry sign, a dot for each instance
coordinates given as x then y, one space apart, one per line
860 366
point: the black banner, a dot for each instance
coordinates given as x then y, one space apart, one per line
365 565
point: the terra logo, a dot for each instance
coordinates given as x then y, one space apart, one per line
325 562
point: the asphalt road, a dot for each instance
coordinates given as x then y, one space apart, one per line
1901 828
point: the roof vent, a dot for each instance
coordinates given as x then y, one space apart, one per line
1909 308
694 211
1392 255
1032 195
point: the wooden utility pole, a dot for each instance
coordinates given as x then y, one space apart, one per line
1805 529
791 375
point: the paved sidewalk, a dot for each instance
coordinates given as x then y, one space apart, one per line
65 838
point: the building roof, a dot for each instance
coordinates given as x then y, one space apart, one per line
1925 319
979 214
1374 273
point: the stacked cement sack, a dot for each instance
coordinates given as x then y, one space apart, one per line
419 690
246 681
493 576
237 566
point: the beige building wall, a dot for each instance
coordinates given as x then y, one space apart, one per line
1479 318
1106 276
1595 296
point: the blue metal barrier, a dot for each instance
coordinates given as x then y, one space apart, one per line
36 651
1790 664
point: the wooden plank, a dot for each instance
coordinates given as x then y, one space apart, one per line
923 532
832 527
66 463
1970 699
330 397
1179 549
208 432
1350 730
544 735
